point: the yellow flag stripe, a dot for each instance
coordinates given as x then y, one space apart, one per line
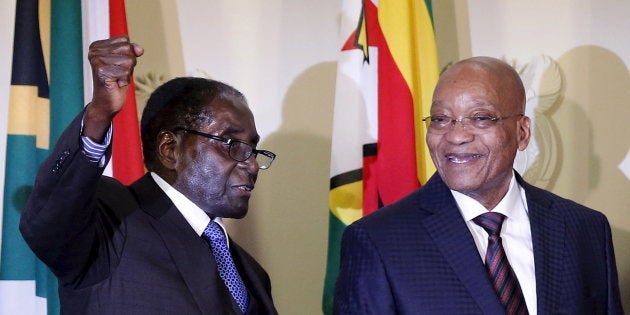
29 114
408 31
346 202
44 32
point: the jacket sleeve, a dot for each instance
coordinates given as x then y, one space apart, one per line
362 286
59 222
614 298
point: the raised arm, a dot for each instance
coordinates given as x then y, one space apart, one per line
63 222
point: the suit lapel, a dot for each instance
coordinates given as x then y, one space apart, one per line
254 279
198 271
547 228
449 231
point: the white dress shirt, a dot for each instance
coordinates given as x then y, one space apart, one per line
197 218
515 234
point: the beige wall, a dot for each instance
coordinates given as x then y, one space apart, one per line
281 54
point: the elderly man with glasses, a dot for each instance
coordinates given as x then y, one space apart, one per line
157 246
476 238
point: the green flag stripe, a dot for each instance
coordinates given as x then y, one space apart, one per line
66 66
335 231
17 259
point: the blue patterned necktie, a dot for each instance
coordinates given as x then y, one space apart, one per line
227 270
501 274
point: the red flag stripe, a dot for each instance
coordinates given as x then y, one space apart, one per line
127 155
395 165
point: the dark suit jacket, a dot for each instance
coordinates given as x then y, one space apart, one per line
418 257
125 250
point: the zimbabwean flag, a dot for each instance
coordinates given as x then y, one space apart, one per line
387 70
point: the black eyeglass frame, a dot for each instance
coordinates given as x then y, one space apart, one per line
230 143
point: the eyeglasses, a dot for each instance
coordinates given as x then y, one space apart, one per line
442 124
238 150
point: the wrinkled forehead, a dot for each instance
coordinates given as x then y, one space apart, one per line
475 82
232 116
230 105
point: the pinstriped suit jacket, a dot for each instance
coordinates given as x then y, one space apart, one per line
126 250
417 257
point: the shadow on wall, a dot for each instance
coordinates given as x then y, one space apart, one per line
286 228
593 122
578 169
595 139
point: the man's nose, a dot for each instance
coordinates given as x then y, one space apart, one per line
459 133
251 164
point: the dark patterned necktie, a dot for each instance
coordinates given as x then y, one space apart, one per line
227 270
501 274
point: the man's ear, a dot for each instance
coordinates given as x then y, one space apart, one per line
166 143
523 132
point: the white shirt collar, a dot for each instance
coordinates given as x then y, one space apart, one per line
471 208
196 217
